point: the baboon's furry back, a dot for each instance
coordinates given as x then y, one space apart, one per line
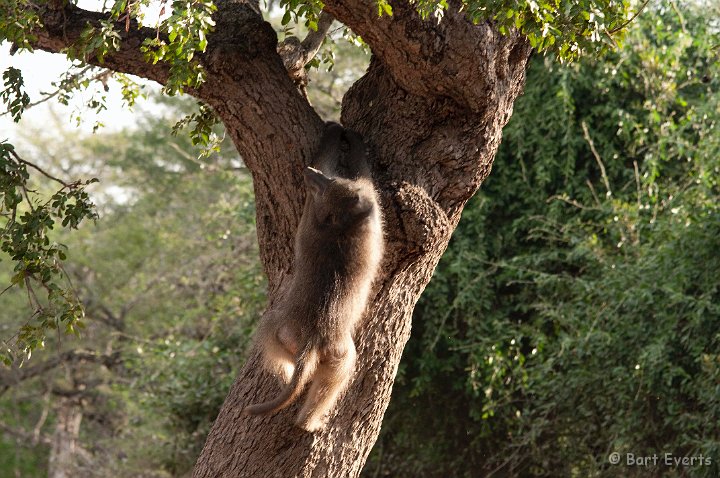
308 336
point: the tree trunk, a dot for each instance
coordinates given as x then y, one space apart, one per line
430 156
431 107
64 446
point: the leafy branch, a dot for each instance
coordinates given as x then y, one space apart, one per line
203 122
16 99
185 33
25 239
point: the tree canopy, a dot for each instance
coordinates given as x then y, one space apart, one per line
575 312
173 39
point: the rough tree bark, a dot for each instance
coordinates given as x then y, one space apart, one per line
67 457
63 461
431 106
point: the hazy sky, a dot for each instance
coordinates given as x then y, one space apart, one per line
40 69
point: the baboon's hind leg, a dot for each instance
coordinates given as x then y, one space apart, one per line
279 351
330 380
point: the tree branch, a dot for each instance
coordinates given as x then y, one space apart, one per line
631 19
312 42
296 54
39 169
17 375
69 80
596 155
62 27
22 436
448 57
272 125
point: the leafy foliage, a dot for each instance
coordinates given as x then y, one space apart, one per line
575 312
96 42
567 28
201 134
171 286
301 12
187 29
13 95
25 238
18 18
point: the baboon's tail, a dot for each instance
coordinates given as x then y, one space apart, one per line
304 369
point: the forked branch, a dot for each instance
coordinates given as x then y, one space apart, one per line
296 54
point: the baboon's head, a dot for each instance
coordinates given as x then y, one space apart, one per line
338 204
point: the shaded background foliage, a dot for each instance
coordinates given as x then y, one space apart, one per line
575 313
167 312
